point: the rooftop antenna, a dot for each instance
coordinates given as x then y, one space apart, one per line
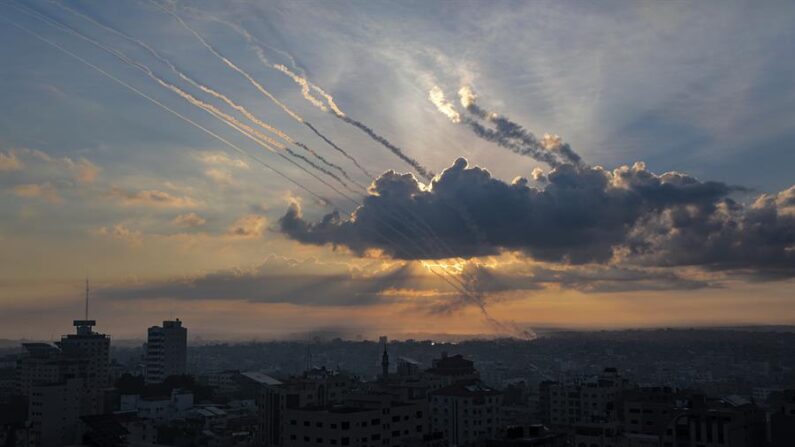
86 299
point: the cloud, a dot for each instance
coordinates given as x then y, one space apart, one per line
152 198
222 159
121 232
84 170
580 215
191 220
10 162
758 239
43 191
220 176
248 227
607 279
281 280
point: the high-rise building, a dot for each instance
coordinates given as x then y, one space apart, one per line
64 382
166 351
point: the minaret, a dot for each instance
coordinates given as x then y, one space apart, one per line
385 364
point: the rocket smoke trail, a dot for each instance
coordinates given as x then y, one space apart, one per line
254 135
506 134
249 131
339 149
303 83
233 146
226 100
125 59
329 164
426 174
244 129
251 117
305 86
511 130
252 81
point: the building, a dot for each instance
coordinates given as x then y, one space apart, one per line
91 350
54 410
64 382
270 401
466 412
363 420
453 368
706 422
593 400
316 388
163 408
166 351
782 419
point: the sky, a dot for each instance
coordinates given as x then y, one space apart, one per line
267 169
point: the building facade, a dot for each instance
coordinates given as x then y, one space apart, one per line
166 351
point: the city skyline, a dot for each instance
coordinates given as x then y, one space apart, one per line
368 168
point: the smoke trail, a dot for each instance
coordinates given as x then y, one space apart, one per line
305 84
300 79
510 130
231 145
304 87
178 72
248 131
229 63
244 129
125 59
258 45
253 82
314 165
330 164
436 96
254 135
339 149
226 100
506 133
424 173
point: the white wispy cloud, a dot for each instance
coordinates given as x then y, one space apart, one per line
152 198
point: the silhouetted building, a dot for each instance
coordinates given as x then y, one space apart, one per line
362 420
585 401
732 421
92 351
782 420
466 412
527 436
166 351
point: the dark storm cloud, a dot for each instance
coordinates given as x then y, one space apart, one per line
581 215
759 239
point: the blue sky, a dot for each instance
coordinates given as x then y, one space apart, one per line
100 176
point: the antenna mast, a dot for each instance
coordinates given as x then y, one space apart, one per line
86 299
